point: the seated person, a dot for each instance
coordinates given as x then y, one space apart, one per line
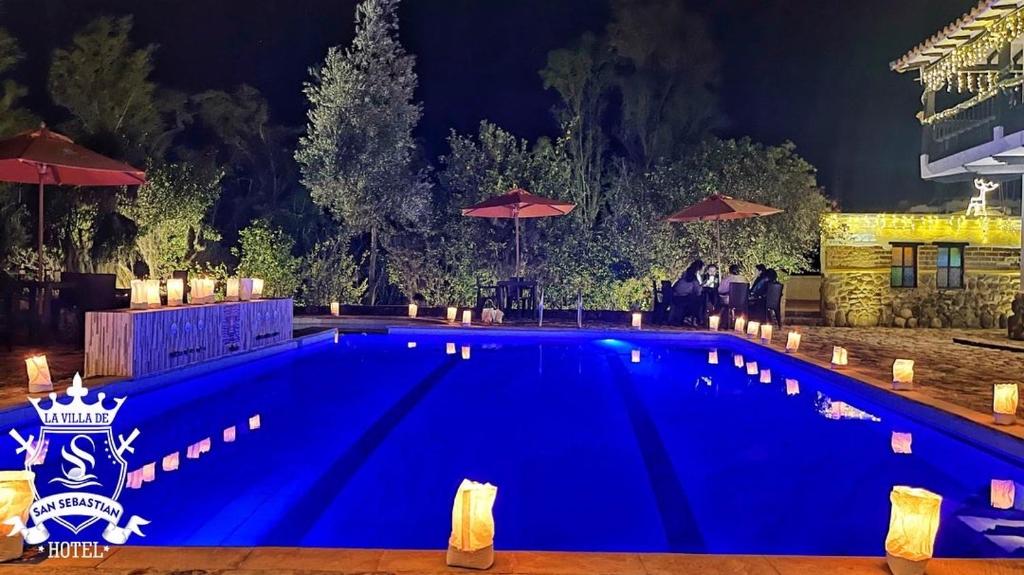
688 299
762 272
759 293
730 278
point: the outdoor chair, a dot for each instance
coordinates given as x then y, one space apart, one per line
773 304
687 307
739 294
662 301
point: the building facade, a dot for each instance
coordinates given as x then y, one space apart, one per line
919 270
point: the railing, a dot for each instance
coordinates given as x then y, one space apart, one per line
973 126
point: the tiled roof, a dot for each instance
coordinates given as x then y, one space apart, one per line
966 28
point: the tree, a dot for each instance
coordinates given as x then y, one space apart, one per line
172 212
266 252
356 156
330 274
12 117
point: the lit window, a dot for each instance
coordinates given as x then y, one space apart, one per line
903 270
949 266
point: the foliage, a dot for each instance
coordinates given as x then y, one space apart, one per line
330 274
356 155
265 252
13 233
171 211
12 117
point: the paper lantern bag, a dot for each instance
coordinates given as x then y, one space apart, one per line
472 539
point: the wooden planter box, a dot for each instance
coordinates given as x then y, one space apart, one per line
134 343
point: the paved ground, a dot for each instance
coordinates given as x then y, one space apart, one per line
238 561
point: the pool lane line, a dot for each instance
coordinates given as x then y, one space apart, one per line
681 529
303 515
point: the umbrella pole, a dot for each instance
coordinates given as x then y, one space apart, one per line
718 248
39 240
516 217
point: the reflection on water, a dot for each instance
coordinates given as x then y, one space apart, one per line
901 442
840 409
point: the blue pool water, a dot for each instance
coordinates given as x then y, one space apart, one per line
363 442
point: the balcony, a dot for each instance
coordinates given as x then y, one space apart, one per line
973 126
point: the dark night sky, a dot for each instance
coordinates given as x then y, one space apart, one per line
808 71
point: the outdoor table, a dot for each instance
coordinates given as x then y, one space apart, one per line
518 295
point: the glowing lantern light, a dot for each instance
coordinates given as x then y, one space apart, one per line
751 368
175 292
201 290
245 289
449 348
254 422
637 319
752 328
913 524
411 345
903 374
737 360
713 322
152 293
36 454
231 290
713 357
229 434
38 374
1002 493
792 342
740 325
149 472
1005 398
337 336
839 357
467 317
766 333
134 480
170 462
465 352
634 356
413 310
15 499
335 308
901 442
453 312
766 376
138 295
471 543
192 452
257 288
792 387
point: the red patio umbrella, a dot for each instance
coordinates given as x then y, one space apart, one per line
44 157
516 204
718 207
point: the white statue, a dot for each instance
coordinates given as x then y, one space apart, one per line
977 205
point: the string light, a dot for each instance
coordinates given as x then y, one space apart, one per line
950 68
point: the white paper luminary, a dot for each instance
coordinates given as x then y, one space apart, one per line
737 360
766 333
413 310
38 374
245 289
449 348
229 434
335 308
740 326
152 293
201 290
452 313
257 288
903 374
465 352
170 462
902 442
138 295
766 376
713 322
913 524
753 328
792 342
471 543
839 357
410 344
634 356
175 292
1002 493
637 319
712 357
792 387
254 422
1005 398
231 287
752 368
15 499
467 317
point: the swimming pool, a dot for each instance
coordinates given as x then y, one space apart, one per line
597 442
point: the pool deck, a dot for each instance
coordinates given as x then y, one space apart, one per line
241 560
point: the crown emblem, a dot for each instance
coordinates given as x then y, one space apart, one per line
77 413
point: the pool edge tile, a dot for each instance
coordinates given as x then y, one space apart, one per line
685 564
312 558
175 558
540 562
